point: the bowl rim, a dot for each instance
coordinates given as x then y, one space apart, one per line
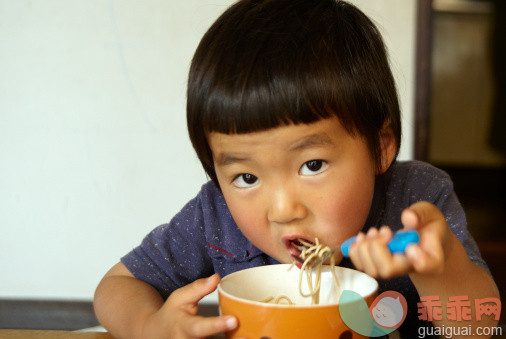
269 305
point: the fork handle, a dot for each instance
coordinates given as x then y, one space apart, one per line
400 240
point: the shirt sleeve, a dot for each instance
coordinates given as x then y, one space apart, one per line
173 254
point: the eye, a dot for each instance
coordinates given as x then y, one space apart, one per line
245 180
313 167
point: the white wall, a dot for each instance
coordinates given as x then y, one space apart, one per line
93 145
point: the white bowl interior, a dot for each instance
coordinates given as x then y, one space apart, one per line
258 283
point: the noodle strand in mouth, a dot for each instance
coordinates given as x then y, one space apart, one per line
309 254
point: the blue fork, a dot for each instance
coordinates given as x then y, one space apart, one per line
400 240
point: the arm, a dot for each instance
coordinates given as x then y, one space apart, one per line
438 266
445 270
130 308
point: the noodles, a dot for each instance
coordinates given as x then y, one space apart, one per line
278 300
309 254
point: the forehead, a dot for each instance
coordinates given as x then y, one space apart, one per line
325 132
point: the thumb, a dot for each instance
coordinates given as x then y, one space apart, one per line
421 214
431 225
192 293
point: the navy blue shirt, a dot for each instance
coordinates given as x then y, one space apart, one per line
203 238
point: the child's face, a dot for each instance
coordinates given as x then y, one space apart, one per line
295 181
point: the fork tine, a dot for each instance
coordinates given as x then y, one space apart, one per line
319 261
299 259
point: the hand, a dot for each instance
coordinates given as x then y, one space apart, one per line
370 251
178 316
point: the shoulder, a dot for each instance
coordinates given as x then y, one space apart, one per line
209 198
408 182
212 203
210 190
418 171
415 181
197 216
228 247
220 227
420 180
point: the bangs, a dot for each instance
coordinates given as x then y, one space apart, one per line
266 100
274 74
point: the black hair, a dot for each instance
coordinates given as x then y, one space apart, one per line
269 63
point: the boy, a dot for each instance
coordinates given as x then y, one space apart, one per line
293 113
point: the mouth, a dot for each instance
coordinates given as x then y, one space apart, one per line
294 245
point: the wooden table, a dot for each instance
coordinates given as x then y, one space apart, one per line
52 334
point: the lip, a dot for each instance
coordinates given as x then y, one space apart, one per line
288 239
292 250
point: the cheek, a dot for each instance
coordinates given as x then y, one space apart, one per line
248 214
346 207
248 217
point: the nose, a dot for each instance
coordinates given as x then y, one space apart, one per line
285 206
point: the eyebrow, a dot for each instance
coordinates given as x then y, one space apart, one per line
225 159
313 140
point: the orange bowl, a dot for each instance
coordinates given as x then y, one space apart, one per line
240 294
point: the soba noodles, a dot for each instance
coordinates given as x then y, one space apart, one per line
278 300
309 254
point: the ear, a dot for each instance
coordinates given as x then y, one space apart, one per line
388 146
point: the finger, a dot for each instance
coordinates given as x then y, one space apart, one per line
409 219
380 254
387 265
420 214
353 251
429 255
194 292
364 252
425 261
390 265
197 326
400 265
429 221
385 231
